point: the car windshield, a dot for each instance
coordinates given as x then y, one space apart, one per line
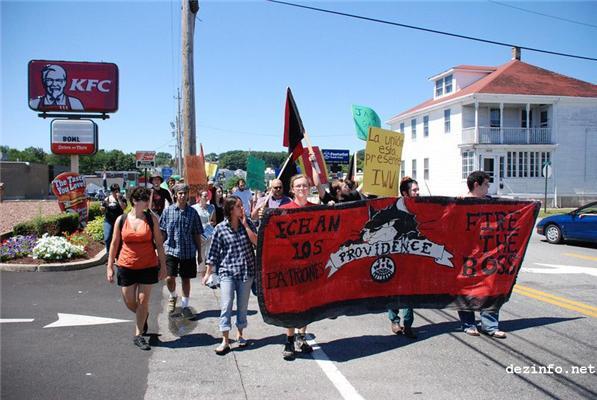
588 209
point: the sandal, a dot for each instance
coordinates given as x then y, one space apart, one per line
498 334
471 331
222 349
242 342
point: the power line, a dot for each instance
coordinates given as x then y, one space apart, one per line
381 21
542 14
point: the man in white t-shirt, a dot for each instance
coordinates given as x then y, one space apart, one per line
245 195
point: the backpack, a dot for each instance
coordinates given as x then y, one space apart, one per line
149 221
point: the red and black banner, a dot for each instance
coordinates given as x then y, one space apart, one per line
426 252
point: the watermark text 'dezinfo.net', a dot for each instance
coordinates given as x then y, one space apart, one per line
550 369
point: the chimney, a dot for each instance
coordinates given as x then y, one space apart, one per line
516 53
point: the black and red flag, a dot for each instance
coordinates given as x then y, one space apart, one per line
294 131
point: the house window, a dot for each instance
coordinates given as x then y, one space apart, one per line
525 164
426 169
544 119
523 119
494 118
402 127
447 121
413 128
426 126
448 84
439 87
402 166
467 163
413 172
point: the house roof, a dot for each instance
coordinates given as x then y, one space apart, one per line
517 77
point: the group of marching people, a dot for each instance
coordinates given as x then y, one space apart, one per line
164 237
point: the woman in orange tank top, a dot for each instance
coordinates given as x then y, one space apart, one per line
134 249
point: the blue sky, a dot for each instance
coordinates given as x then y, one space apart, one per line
248 52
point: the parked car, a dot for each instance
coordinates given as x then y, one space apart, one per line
580 224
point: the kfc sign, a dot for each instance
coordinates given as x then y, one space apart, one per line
73 86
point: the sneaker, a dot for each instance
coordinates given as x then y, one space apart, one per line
242 342
471 331
187 313
141 343
172 304
396 328
302 345
145 326
288 353
409 332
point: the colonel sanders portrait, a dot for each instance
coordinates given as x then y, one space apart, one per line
54 80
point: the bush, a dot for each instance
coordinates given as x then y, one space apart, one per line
53 225
56 248
94 210
95 229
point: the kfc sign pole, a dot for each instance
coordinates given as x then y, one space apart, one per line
71 91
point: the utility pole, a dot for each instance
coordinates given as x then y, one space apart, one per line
178 133
189 10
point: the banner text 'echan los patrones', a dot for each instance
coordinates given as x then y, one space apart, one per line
354 258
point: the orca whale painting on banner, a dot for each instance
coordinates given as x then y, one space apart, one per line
364 256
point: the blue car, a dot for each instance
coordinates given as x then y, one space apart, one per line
580 224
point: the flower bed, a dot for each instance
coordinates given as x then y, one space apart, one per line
49 249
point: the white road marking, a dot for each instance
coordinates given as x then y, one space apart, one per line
82 320
12 320
561 269
347 391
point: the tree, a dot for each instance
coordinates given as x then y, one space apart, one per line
211 157
233 160
163 159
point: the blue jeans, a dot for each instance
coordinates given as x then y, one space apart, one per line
489 320
407 316
108 231
228 286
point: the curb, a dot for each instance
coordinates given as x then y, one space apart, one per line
99 259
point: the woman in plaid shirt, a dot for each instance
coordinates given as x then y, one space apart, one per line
232 258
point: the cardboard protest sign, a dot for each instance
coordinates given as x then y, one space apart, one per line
364 118
426 252
381 168
195 176
255 173
307 168
211 169
69 188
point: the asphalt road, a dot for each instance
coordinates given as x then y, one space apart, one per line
550 320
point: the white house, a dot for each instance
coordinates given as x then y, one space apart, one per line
508 121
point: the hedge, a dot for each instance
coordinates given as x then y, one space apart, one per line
94 210
53 225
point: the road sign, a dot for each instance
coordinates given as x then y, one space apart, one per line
145 159
73 136
546 171
336 156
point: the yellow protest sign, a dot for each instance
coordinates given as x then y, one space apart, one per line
382 162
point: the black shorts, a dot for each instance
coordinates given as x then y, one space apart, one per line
185 268
128 276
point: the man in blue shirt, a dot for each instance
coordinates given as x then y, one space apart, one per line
181 228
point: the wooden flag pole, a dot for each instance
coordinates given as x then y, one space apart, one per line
312 153
284 166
